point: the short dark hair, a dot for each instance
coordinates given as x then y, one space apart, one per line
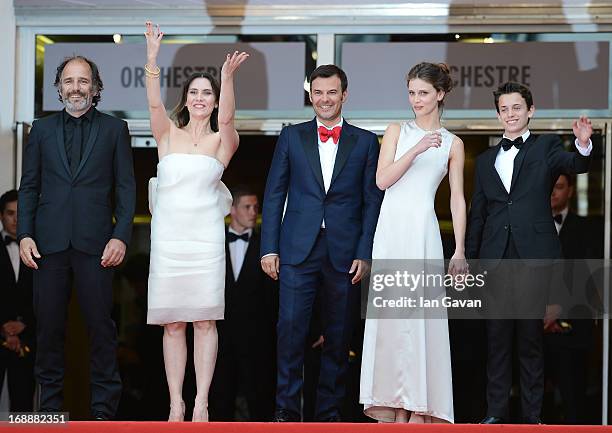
571 180
513 87
96 80
180 114
6 198
240 191
326 71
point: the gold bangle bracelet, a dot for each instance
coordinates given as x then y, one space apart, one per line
151 76
152 72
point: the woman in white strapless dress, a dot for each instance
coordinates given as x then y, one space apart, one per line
406 364
189 203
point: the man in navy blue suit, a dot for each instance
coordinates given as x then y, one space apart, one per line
325 172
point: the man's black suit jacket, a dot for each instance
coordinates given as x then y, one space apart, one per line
580 238
16 297
58 209
249 301
524 211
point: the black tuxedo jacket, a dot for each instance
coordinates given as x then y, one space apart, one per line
524 211
250 300
579 238
58 209
16 297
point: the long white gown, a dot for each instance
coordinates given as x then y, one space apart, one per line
406 362
187 267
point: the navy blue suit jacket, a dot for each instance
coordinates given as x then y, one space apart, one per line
58 209
350 207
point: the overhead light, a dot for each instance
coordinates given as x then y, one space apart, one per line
457 35
306 85
315 56
117 38
488 40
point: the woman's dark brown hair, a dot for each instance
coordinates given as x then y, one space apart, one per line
436 74
181 114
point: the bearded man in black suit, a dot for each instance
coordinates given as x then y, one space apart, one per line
77 175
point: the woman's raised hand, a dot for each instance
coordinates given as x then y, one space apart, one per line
154 37
232 63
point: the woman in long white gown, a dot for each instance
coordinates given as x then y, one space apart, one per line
406 365
187 272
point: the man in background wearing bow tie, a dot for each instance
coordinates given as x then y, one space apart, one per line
568 347
511 218
17 328
325 169
245 361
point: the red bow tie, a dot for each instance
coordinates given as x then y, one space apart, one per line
334 133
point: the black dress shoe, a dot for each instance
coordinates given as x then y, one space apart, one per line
332 418
532 420
493 420
100 416
283 415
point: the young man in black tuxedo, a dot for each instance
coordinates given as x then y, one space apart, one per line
247 337
77 175
17 328
510 218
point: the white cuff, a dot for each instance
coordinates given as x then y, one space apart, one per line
268 255
584 151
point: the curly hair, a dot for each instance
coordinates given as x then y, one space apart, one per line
96 81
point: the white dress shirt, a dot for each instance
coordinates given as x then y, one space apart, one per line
13 252
327 156
504 162
238 250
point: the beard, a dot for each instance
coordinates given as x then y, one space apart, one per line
80 105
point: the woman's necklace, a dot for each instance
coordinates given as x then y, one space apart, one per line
194 138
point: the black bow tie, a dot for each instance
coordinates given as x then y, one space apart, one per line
558 218
9 240
507 143
232 237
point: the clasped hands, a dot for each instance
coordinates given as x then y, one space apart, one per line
10 330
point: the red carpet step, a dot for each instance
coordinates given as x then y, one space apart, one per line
187 427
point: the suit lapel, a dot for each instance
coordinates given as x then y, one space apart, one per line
229 267
345 145
93 134
5 261
310 143
61 146
520 157
491 165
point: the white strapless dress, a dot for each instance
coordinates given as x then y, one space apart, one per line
406 361
187 268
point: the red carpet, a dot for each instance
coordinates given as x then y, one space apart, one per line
162 427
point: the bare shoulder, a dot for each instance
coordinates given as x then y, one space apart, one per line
457 148
392 132
457 143
393 128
